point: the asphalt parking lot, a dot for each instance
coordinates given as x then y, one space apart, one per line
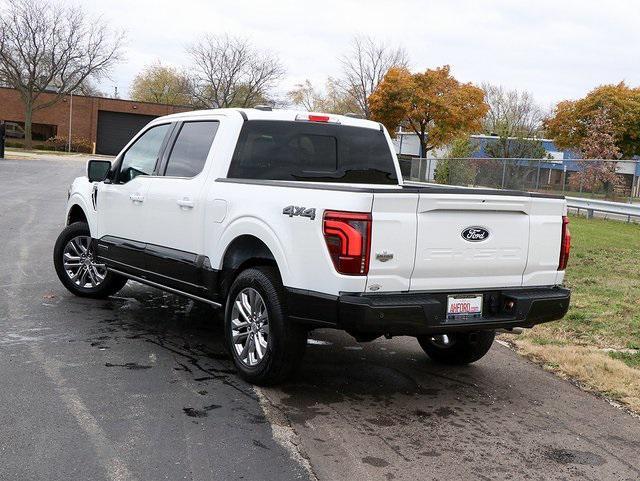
138 387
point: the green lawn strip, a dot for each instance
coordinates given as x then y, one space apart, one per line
604 276
631 359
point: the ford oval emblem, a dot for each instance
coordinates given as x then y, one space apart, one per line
475 234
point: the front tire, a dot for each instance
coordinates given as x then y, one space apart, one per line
266 347
78 269
457 349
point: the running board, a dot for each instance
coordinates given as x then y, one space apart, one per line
164 288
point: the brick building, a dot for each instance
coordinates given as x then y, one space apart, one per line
107 124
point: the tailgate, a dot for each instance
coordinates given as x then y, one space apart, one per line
470 241
452 242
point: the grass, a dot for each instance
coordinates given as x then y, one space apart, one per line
593 368
630 358
604 277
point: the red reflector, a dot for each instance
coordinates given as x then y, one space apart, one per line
565 244
348 238
318 118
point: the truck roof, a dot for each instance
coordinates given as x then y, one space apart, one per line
275 114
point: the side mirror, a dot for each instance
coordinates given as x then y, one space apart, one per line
98 170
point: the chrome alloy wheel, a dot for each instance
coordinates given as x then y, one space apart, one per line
80 265
249 326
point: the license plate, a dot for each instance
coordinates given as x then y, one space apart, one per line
464 306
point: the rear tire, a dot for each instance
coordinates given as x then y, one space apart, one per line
462 348
265 346
73 257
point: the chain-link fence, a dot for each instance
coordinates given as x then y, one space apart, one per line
605 179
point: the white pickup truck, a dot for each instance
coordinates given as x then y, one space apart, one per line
292 221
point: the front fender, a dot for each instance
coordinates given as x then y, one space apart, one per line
80 195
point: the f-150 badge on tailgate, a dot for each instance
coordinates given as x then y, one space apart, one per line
475 234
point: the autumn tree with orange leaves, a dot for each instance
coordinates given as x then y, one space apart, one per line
436 106
572 120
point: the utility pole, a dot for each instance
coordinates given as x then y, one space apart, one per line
2 132
70 119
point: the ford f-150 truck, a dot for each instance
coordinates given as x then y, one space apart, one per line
290 221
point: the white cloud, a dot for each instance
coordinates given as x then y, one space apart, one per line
555 49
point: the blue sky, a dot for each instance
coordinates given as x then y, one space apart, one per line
554 49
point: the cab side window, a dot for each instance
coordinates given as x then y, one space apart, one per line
191 148
142 156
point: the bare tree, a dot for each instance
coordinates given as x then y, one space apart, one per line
516 119
230 72
89 89
332 100
48 46
162 84
365 66
306 96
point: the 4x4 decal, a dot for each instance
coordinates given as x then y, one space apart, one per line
293 210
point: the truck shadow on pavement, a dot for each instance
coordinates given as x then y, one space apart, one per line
192 333
335 369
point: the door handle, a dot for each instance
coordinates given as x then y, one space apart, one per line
136 197
185 203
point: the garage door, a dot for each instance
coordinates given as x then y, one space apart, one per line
115 129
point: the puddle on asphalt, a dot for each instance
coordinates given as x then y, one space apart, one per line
376 462
133 366
568 456
200 413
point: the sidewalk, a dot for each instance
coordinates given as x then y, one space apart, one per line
21 154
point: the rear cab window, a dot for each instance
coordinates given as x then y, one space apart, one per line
312 152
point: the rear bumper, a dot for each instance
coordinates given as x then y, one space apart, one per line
425 313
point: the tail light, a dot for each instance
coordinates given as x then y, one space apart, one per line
318 118
348 238
565 244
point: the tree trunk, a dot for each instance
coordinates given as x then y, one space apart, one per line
28 115
424 138
423 145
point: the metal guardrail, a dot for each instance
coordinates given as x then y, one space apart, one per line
591 206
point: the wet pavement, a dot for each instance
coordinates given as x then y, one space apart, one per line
139 387
384 411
